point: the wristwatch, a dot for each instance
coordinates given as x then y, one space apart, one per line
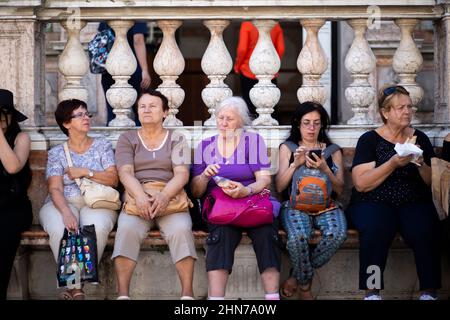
90 173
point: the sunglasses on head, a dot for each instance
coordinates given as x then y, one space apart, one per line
390 90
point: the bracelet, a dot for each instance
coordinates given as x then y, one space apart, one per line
251 190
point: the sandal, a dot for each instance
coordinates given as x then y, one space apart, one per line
305 292
79 296
69 295
287 290
65 295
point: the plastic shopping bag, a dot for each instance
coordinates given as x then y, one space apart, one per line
77 258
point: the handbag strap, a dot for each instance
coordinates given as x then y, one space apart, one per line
254 199
69 160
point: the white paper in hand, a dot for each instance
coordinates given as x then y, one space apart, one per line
406 149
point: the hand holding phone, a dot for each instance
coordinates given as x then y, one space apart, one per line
318 152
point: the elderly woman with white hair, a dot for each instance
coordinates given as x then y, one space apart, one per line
241 157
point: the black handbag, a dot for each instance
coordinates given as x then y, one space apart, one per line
77 258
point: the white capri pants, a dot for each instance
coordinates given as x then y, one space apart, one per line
175 228
51 220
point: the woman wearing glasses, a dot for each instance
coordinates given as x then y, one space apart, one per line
64 207
392 194
309 158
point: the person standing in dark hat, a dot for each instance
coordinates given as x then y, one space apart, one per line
15 178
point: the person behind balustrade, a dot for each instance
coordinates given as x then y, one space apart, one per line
248 38
140 79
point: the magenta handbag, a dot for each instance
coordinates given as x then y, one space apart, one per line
252 211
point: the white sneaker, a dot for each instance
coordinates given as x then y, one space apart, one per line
426 296
373 297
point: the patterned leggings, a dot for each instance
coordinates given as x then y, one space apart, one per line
300 227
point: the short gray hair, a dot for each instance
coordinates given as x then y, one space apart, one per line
239 105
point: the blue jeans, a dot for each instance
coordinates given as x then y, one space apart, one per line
418 225
300 228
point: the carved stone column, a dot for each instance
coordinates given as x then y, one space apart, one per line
169 64
121 64
264 63
73 63
22 58
442 68
312 62
408 62
360 62
216 64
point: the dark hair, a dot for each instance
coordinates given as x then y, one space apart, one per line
304 108
12 129
24 176
155 93
63 112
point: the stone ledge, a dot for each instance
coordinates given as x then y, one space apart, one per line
38 237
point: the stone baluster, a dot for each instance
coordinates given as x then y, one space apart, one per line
216 64
73 63
408 62
264 63
121 64
360 62
441 112
169 64
312 62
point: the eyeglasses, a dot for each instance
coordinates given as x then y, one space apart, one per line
81 115
391 90
313 125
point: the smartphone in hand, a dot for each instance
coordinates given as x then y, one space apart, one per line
318 152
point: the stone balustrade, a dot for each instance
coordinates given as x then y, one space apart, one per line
22 71
20 34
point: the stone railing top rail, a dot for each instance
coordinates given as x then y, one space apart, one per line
224 9
214 3
43 138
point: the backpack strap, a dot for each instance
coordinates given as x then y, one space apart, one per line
291 145
332 148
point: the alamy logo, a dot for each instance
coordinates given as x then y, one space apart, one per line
374 280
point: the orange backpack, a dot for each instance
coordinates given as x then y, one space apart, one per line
310 188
